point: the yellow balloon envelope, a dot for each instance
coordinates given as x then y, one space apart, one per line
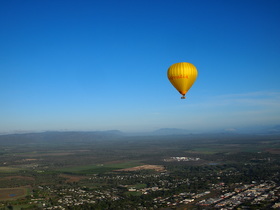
182 76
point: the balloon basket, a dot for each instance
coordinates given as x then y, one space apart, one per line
183 97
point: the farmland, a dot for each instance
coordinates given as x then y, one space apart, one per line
99 168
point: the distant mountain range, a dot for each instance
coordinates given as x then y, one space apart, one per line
57 136
170 131
275 129
250 130
85 136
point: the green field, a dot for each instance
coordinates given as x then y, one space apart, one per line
140 186
225 148
134 193
99 168
20 207
5 169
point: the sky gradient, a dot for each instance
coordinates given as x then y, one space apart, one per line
101 65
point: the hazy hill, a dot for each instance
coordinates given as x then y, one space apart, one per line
56 136
170 134
170 131
275 129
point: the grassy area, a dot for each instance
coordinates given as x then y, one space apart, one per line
228 148
140 186
8 169
35 154
99 168
20 207
137 186
207 150
134 193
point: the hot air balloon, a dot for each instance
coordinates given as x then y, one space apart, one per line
182 76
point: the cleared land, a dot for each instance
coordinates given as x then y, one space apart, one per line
99 168
274 151
13 193
17 177
145 167
72 178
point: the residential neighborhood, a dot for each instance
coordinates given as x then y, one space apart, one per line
255 193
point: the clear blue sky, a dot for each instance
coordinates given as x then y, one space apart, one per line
101 65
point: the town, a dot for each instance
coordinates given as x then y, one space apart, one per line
182 159
267 192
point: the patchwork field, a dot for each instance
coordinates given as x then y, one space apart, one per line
100 168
